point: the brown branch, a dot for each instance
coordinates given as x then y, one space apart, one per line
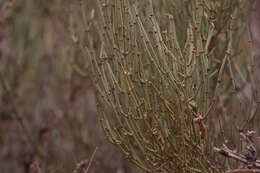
249 158
244 171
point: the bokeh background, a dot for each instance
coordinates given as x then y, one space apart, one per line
48 119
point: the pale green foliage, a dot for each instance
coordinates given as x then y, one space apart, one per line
158 73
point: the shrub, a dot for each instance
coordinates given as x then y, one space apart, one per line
158 72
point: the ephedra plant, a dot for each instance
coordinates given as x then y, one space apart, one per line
158 72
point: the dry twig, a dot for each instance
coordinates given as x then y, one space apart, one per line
249 158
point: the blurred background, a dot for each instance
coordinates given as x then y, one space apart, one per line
48 119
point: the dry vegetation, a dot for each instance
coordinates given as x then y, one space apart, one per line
168 78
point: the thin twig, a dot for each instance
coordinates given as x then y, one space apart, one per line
248 159
91 160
